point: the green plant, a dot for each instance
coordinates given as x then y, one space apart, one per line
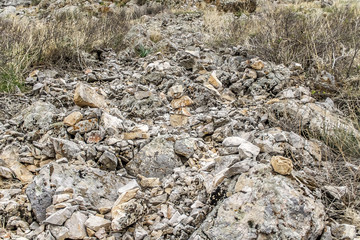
10 80
142 51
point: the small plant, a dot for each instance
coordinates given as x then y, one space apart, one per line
142 51
10 80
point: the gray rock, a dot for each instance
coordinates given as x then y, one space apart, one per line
98 188
39 200
108 160
343 231
185 147
156 159
264 206
76 226
140 233
59 232
45 236
65 148
37 116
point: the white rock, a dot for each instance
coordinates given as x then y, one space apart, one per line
76 225
233 141
95 223
248 150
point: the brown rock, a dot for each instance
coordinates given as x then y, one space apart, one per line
184 101
10 157
257 65
213 80
73 118
281 165
177 120
87 96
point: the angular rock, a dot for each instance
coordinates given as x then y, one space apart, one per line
177 120
108 160
156 159
76 226
11 158
73 118
59 232
233 141
65 148
5 172
176 91
111 124
281 165
184 101
95 223
58 218
214 81
343 231
84 126
185 147
38 115
98 188
264 206
248 150
87 96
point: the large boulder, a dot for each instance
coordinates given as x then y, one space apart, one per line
264 206
156 159
98 188
37 116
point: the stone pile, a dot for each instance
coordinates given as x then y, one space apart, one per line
185 143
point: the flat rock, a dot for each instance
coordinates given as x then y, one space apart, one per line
95 223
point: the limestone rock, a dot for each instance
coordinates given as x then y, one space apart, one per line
38 115
11 158
95 223
233 141
177 120
111 124
184 101
87 96
65 148
5 172
281 165
108 160
214 81
343 231
248 150
264 206
185 147
76 226
156 159
73 118
59 217
176 91
98 188
59 232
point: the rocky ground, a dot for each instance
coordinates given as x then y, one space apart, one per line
187 142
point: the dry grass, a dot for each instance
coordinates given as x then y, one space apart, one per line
61 42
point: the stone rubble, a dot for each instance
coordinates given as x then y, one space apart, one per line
180 145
